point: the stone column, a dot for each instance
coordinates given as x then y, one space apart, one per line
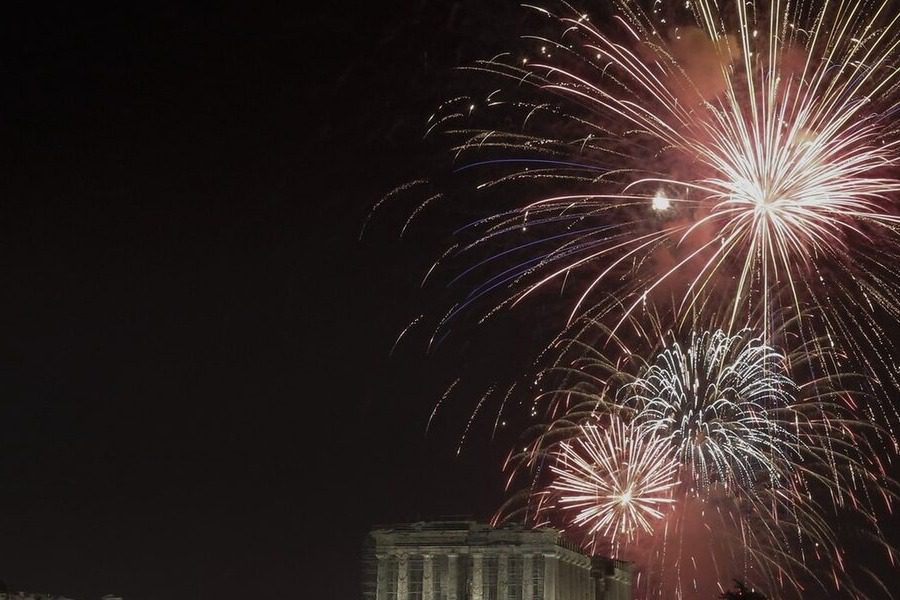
427 577
502 576
585 585
579 580
599 585
591 589
381 577
588 584
403 577
477 577
527 577
551 576
562 579
452 577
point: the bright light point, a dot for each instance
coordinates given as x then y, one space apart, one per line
625 498
763 208
661 202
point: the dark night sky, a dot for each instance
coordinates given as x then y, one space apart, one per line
196 396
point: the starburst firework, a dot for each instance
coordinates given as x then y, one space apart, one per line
772 165
743 154
717 401
616 480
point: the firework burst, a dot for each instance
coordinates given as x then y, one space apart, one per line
717 402
742 155
615 479
779 150
741 469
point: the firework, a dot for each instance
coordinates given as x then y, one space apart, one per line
742 154
740 469
616 480
717 402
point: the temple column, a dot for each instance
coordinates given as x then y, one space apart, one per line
527 577
403 577
562 579
381 577
585 583
579 581
452 577
427 577
589 583
477 577
551 576
588 587
502 576
599 585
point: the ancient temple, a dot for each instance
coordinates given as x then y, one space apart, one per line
465 560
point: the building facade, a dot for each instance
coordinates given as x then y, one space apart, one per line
465 560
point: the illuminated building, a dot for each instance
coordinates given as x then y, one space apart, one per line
465 560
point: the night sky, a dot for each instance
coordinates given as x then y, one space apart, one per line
196 393
196 396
